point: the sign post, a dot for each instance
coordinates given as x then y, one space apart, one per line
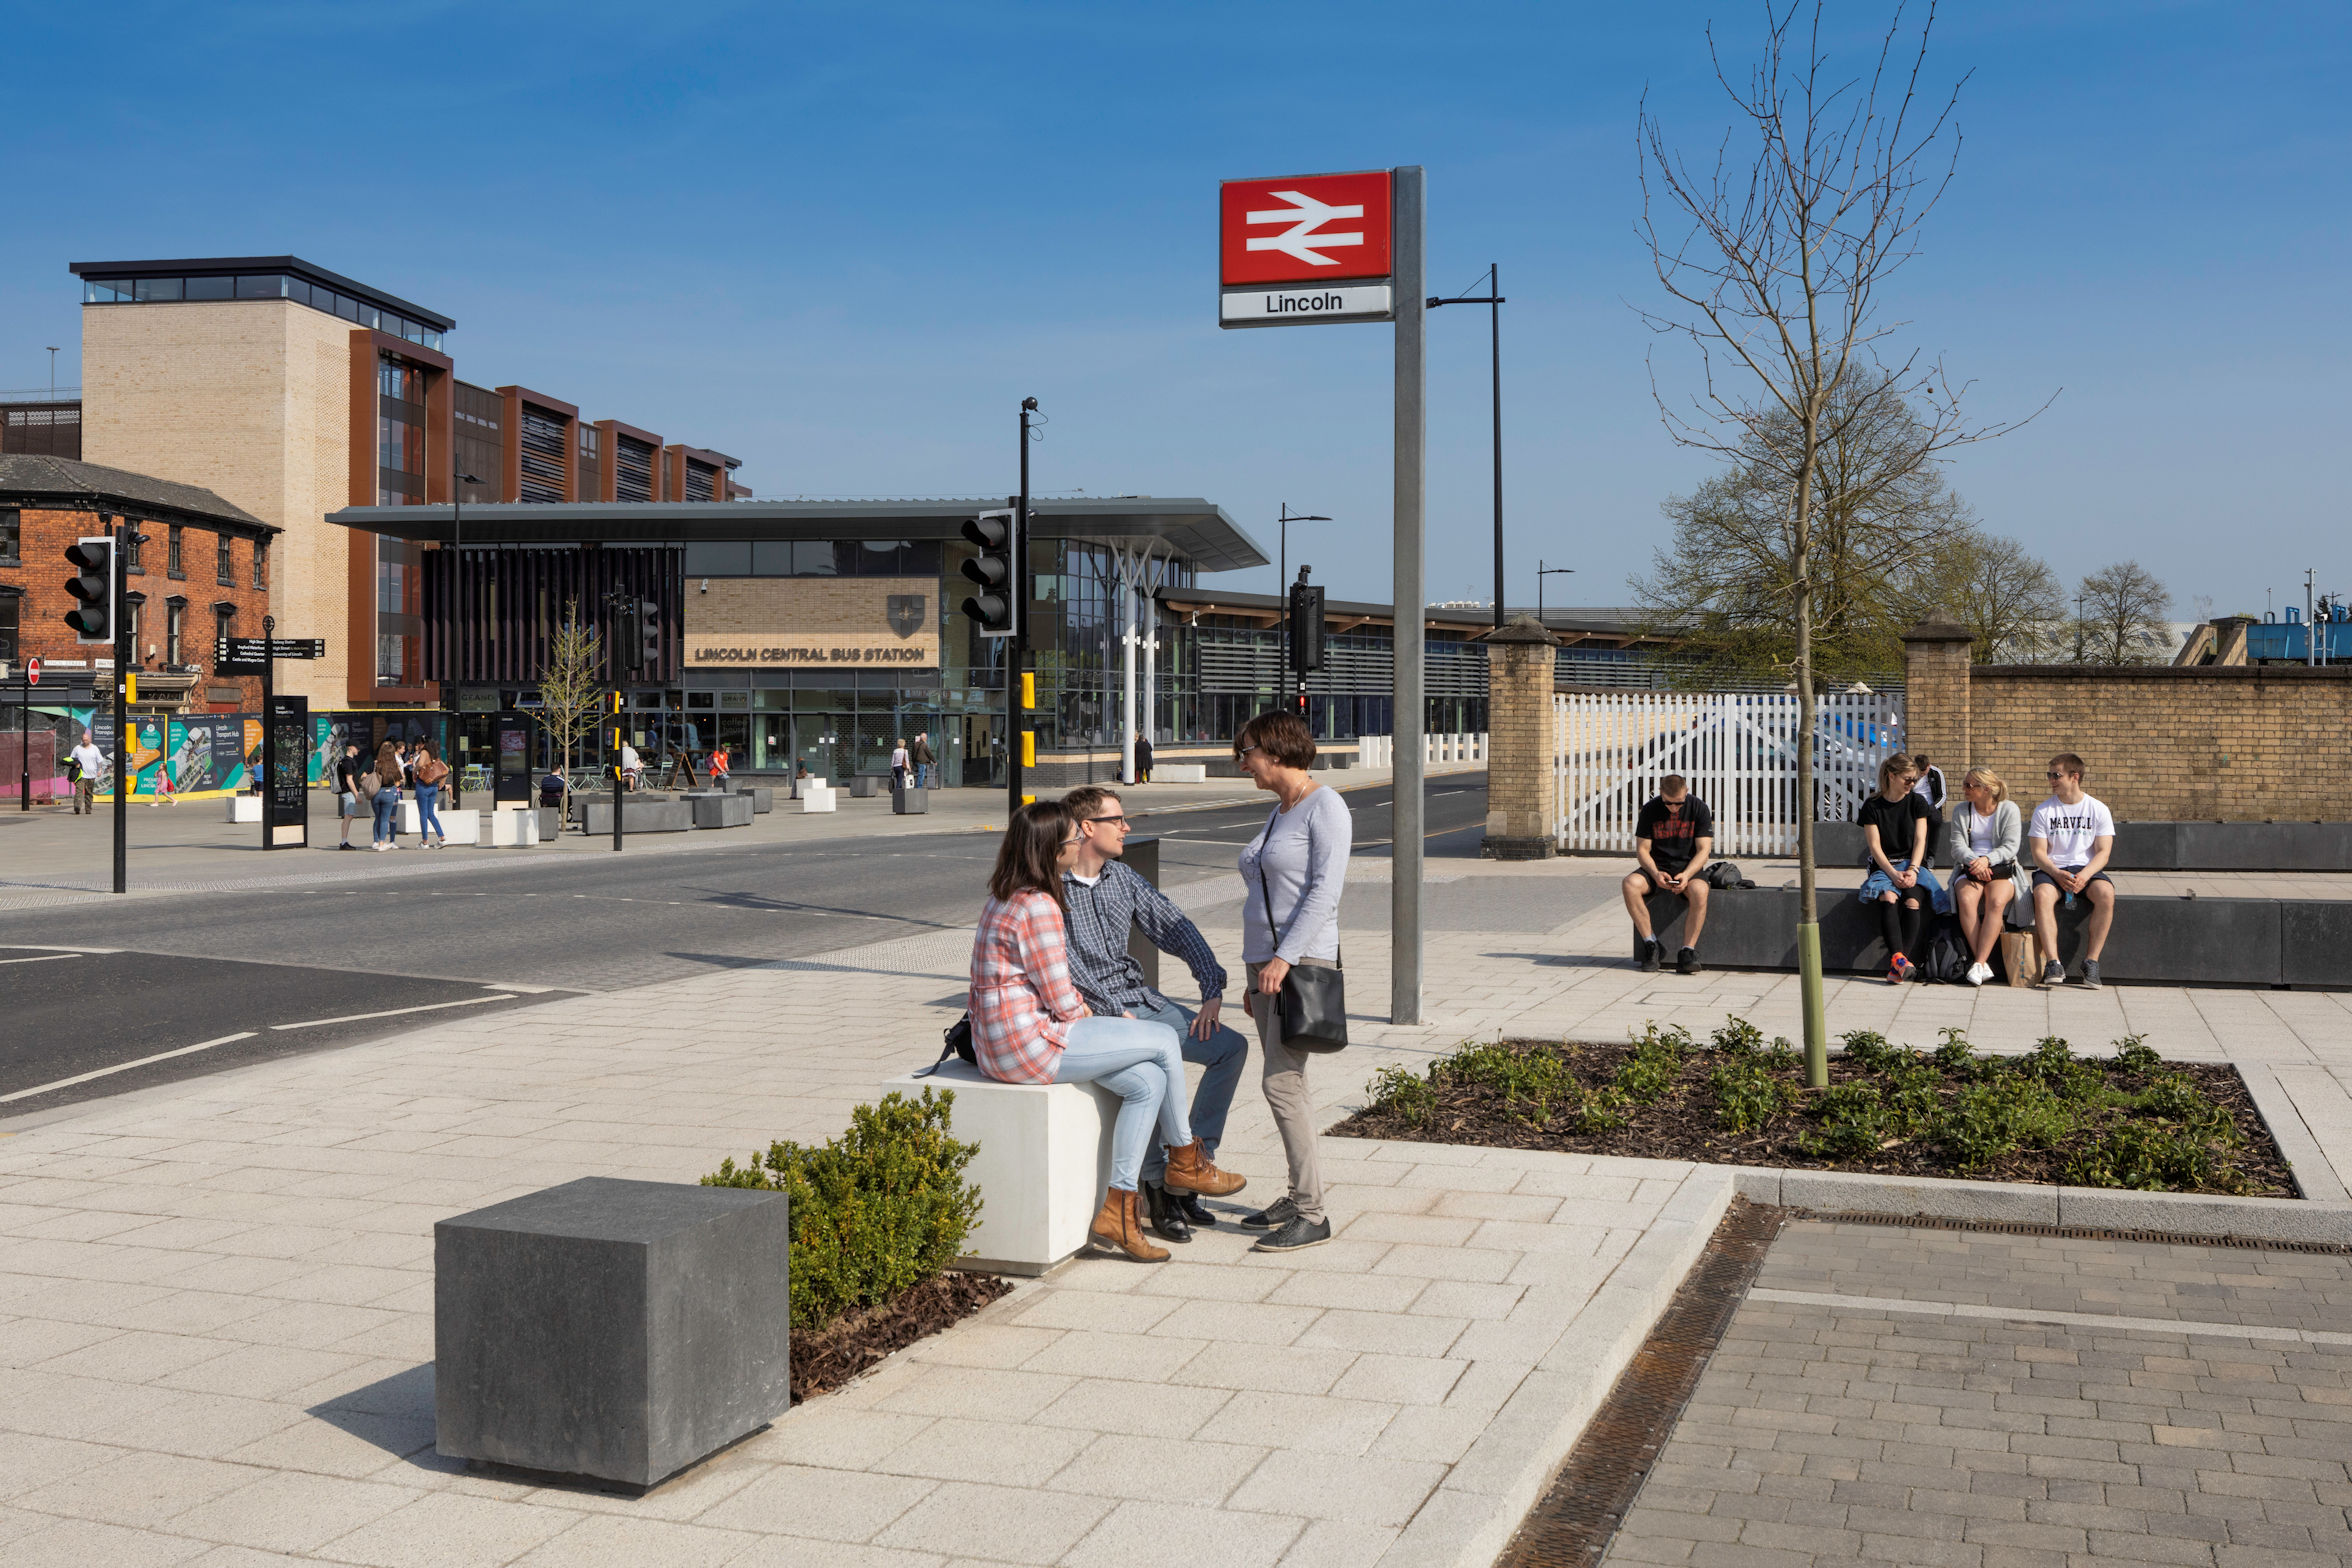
1348 247
24 734
285 803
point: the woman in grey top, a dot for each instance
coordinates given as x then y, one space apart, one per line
1292 874
1990 879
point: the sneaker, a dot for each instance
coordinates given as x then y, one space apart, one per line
1298 1234
1686 962
1273 1216
2090 979
1898 971
1650 956
2053 973
1978 974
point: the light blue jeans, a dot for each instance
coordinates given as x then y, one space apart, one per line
1141 1064
428 820
387 809
1224 1054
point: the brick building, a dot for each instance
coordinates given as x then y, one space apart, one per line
203 571
293 392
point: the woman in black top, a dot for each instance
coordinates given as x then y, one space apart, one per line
1894 833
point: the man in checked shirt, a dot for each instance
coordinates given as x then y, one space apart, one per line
1107 899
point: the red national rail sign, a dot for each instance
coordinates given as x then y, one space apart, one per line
1308 247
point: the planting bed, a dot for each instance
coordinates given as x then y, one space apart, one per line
2050 1116
825 1360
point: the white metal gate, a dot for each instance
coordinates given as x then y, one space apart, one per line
1737 749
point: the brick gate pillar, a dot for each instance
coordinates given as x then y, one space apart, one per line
1935 695
1519 823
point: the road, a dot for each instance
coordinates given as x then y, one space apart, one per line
576 923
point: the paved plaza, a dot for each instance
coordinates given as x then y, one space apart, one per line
215 1296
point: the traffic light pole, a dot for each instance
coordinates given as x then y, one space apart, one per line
1017 645
122 716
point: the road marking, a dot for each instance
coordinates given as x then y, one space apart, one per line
2093 1320
45 947
393 1012
124 1067
43 958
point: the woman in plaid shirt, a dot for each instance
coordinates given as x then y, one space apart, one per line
1029 1025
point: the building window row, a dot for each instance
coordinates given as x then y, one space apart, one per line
269 285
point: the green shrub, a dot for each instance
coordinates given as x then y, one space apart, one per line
1851 1122
2135 1154
875 1211
1954 1057
1749 1093
1738 1037
1655 1064
2172 1097
1989 1120
1598 1110
1403 1093
1867 1050
2134 1055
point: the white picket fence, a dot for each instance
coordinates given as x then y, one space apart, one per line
1737 749
1379 751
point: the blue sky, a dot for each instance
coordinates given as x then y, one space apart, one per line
842 241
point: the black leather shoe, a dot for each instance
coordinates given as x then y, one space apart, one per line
1273 1216
1167 1217
1194 1211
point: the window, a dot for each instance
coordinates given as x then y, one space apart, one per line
175 613
268 286
133 603
224 623
261 563
171 563
224 566
132 540
8 607
211 288
106 291
11 527
155 288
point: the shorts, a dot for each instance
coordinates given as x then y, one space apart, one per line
2044 879
1879 882
1653 881
347 804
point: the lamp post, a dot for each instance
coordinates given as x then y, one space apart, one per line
1493 300
456 576
1282 579
1541 572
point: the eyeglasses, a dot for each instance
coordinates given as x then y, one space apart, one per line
1245 751
1122 821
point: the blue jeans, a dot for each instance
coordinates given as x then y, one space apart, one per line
1224 1054
1140 1063
922 775
428 823
387 807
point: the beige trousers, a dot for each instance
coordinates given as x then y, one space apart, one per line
1288 1097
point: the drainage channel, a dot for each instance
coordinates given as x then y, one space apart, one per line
1571 1524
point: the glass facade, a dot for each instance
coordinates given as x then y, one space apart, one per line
271 285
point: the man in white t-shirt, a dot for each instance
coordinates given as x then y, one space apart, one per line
2069 840
92 764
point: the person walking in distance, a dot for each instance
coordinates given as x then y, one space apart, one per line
1030 1025
89 763
347 771
429 771
1107 900
1292 875
1143 758
902 766
719 767
925 758
2070 838
1673 838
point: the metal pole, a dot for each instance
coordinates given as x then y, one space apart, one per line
1404 986
269 733
1494 312
24 744
1130 633
2310 627
1282 597
1017 645
122 717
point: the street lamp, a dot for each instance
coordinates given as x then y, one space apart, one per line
1541 572
1282 579
1493 300
449 610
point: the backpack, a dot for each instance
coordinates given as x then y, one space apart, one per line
1721 874
73 770
1946 960
955 1040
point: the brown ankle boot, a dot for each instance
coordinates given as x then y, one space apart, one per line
1189 1170
1116 1226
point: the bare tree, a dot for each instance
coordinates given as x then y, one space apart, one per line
571 688
1773 262
2125 616
2000 591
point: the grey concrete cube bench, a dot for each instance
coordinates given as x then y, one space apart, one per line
613 1331
640 816
761 796
2155 940
2173 846
713 810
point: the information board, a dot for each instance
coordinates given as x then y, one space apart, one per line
286 777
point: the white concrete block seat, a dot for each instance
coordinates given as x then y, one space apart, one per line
1045 1157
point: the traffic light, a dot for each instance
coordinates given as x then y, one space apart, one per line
92 618
626 638
1001 603
1306 628
649 635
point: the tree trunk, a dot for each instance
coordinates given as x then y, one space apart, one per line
1808 904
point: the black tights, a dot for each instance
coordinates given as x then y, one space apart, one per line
1899 924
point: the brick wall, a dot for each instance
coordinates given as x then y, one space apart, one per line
42 631
1519 742
2210 743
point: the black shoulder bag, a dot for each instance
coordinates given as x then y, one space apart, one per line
1313 1003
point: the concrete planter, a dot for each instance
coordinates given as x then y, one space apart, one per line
719 811
640 816
815 796
762 798
244 808
511 830
460 827
1045 1157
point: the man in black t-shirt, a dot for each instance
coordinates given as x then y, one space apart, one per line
1672 838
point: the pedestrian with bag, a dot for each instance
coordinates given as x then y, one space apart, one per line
1292 875
348 800
902 766
88 763
430 772
381 785
1030 1025
925 758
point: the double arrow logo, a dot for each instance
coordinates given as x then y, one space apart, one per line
1304 215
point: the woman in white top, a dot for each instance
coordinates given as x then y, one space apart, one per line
1983 844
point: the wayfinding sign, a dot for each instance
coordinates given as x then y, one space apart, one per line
1306 248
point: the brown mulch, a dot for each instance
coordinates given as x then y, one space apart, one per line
1683 1125
825 1360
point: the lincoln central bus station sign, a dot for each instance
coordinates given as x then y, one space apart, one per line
1312 247
813 623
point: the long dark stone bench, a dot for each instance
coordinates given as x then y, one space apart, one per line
2159 941
2173 846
